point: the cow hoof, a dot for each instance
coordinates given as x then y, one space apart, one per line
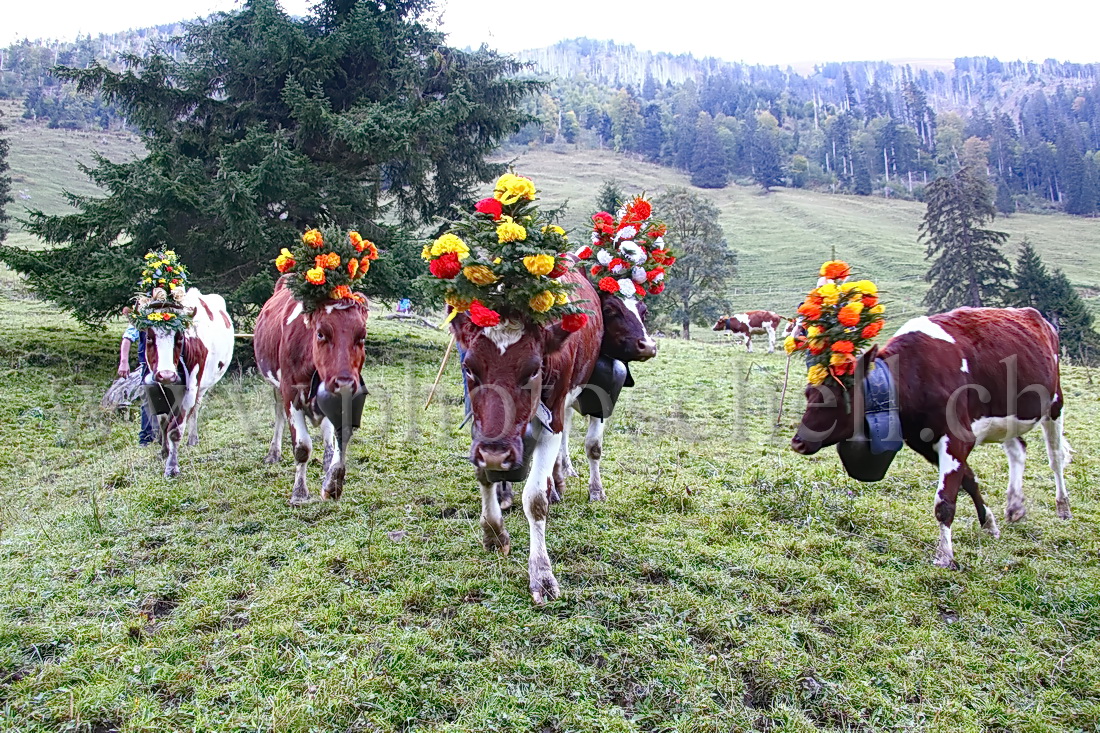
171 472
297 499
1015 513
553 493
945 562
1063 510
595 493
497 541
273 457
990 525
544 587
193 440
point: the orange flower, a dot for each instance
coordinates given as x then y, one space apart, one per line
313 238
849 314
817 346
372 251
340 292
364 265
315 276
330 261
871 329
812 311
842 364
356 241
285 261
353 267
844 347
835 270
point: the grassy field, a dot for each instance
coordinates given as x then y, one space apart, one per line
727 585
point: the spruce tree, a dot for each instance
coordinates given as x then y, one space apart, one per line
1071 316
969 268
269 125
767 170
5 184
1032 280
611 196
861 181
708 163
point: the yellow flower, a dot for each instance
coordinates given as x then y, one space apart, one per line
814 331
542 302
789 344
866 287
561 298
449 243
313 238
426 253
878 309
479 274
816 374
459 304
553 229
849 287
510 188
316 276
508 231
829 293
538 264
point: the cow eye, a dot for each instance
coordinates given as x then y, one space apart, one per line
321 336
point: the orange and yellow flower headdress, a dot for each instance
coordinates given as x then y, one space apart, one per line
327 266
158 303
840 318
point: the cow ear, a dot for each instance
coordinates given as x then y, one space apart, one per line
464 330
553 338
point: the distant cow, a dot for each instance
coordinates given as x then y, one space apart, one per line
749 324
197 358
306 356
971 376
518 372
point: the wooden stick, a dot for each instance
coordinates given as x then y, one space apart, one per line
783 396
439 374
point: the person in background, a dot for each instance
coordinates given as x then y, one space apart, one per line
145 435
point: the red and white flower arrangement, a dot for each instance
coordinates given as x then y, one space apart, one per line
628 256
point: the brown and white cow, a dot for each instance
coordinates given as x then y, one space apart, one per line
510 368
624 338
749 324
196 358
971 376
304 355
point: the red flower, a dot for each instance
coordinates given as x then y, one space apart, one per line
657 289
616 263
818 345
609 285
446 266
638 210
639 290
652 274
659 230
844 347
560 267
847 366
871 329
490 206
574 321
595 270
603 223
870 301
482 316
584 253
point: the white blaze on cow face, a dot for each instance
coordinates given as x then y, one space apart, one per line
632 306
925 325
504 334
165 368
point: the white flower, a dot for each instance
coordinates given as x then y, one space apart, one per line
633 252
637 274
603 257
626 286
627 232
595 238
659 243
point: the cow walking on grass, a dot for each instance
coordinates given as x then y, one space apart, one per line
971 376
306 356
749 324
194 358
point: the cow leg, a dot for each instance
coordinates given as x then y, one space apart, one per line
542 583
335 469
303 447
172 462
952 464
593 448
162 435
566 461
985 515
770 330
1014 502
275 452
748 342
1058 453
555 485
505 496
192 428
493 534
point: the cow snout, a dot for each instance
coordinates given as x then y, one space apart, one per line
341 383
167 377
647 349
495 457
806 448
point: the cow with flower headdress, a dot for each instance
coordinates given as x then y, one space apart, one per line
627 261
943 384
530 330
188 347
310 346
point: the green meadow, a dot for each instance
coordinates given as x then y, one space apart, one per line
727 584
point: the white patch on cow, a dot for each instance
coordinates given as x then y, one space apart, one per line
1055 396
948 464
166 349
632 306
504 334
925 325
999 429
294 313
965 368
742 318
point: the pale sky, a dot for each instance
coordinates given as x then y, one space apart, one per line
786 32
